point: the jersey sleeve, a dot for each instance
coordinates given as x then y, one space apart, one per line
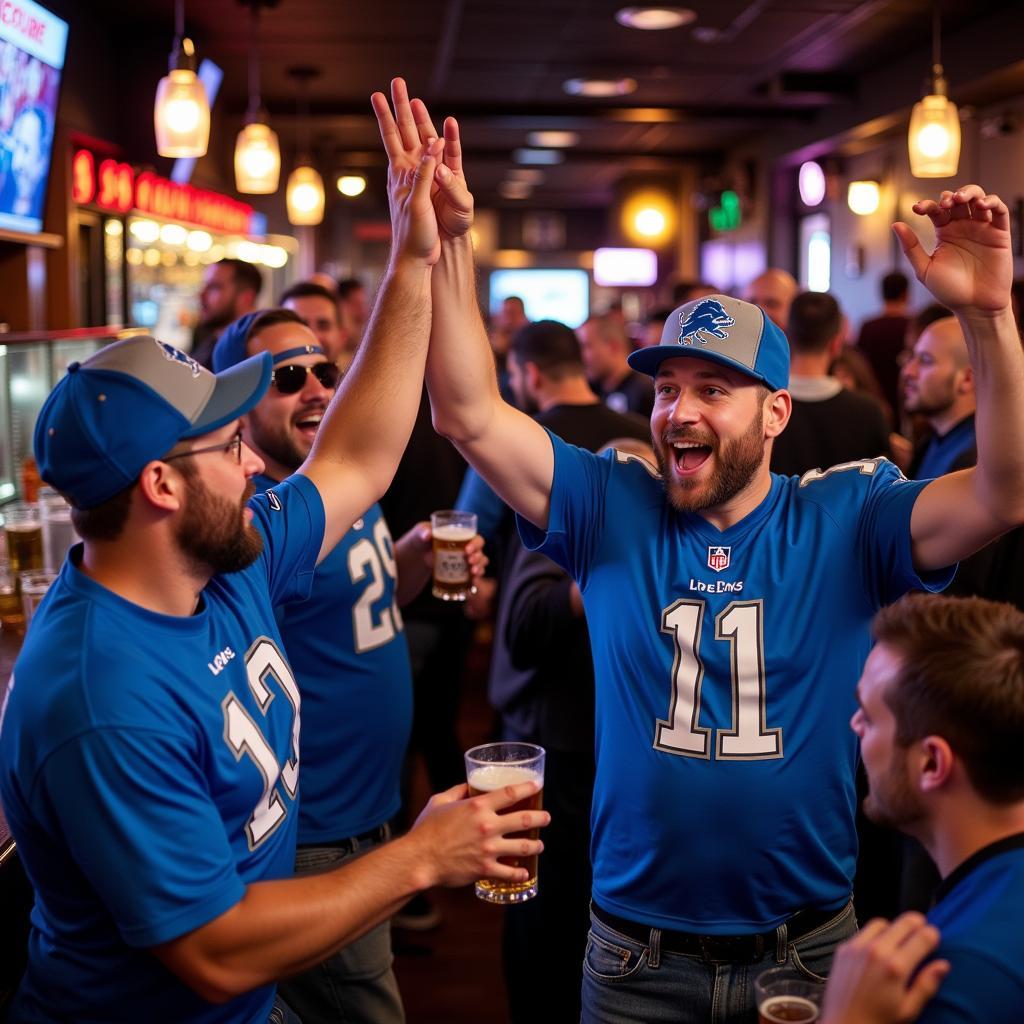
291 518
577 512
134 804
976 989
884 540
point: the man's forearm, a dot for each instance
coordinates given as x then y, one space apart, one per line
998 365
280 928
461 377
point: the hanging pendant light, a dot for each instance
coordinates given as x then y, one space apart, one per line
934 137
305 194
181 112
257 153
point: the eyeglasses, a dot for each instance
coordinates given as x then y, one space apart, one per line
234 445
292 378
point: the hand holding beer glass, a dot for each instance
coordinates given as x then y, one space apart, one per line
493 766
452 530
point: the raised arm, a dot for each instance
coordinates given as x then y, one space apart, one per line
368 424
970 271
505 446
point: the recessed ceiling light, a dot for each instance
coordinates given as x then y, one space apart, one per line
599 86
538 156
553 139
526 174
514 189
655 19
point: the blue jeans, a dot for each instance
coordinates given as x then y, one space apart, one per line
625 981
357 984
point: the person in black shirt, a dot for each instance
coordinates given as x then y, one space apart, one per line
829 424
604 346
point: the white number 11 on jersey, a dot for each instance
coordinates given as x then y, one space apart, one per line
741 624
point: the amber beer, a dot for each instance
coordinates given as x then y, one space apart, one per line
494 766
23 529
452 531
787 1010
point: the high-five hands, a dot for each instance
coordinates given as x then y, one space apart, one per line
412 165
971 269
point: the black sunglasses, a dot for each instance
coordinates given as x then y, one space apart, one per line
292 378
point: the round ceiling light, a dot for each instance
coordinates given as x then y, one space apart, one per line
599 87
811 182
655 19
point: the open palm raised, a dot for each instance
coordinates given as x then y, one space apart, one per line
971 268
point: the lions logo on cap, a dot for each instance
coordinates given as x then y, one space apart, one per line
707 317
175 355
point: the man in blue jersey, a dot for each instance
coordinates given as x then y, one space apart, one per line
729 611
940 716
149 741
351 662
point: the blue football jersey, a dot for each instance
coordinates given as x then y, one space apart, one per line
149 771
725 666
979 917
349 654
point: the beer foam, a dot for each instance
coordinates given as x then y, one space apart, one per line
459 534
488 778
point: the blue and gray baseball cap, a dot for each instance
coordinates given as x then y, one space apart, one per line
723 330
131 403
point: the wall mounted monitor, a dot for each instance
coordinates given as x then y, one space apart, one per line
547 294
32 46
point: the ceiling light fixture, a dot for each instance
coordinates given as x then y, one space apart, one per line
811 182
538 156
181 111
553 139
863 197
305 196
351 185
655 19
599 87
933 140
257 153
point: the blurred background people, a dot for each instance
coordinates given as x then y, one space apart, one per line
231 288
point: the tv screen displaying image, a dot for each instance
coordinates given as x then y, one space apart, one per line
32 46
562 295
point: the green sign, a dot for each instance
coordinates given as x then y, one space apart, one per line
726 217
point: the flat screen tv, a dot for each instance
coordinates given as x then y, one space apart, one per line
32 45
552 294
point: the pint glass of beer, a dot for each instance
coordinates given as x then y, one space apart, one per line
23 528
493 766
784 997
452 531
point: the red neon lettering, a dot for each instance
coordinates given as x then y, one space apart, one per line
83 177
19 19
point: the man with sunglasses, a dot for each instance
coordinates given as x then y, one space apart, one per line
348 650
149 740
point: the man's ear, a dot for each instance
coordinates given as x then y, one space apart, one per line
777 409
161 486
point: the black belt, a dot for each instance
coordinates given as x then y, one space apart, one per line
376 835
719 948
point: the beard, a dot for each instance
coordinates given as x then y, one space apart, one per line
213 534
736 463
891 799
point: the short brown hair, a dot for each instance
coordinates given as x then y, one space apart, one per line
106 520
962 678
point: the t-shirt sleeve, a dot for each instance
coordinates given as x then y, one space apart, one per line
135 805
291 518
976 990
577 514
884 541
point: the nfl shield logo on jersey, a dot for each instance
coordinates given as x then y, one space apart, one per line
718 557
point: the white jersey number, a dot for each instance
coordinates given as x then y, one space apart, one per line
741 623
373 559
263 663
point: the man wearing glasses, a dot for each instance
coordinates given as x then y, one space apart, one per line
149 741
347 648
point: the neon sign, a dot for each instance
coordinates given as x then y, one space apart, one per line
117 187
